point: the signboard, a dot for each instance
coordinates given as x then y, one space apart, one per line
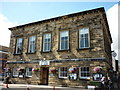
44 62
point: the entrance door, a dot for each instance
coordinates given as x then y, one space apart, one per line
44 75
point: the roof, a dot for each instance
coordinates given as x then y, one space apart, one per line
101 9
4 48
56 18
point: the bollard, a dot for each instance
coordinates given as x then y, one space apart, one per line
7 85
28 87
53 87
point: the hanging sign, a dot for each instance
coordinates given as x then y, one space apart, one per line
44 62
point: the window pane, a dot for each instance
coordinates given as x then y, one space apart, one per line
84 72
29 72
64 40
47 42
19 46
63 72
83 38
32 44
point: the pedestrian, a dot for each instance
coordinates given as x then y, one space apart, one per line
109 83
102 84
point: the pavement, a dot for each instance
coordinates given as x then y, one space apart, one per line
34 87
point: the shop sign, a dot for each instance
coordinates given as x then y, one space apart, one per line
44 62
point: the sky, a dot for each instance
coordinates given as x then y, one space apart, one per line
19 13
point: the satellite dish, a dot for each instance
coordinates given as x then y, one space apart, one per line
114 54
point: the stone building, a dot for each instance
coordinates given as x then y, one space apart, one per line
61 51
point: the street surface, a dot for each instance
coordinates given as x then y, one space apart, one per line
41 89
34 87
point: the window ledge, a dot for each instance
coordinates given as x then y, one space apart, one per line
31 53
17 54
83 48
63 77
46 51
67 50
83 78
28 76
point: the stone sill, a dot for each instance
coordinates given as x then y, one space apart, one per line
17 54
63 50
30 53
46 51
78 49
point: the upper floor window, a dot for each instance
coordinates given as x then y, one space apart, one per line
28 72
31 48
63 72
84 73
84 38
46 42
64 40
19 46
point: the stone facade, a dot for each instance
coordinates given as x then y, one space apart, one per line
98 53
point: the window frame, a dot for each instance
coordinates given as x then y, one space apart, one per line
47 43
32 44
79 38
81 77
27 73
16 46
13 74
62 77
60 40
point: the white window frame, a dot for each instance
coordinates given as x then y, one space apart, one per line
81 77
15 72
19 44
63 72
47 36
31 40
84 31
27 72
64 35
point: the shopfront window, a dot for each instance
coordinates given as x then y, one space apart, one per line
84 73
15 72
28 72
63 72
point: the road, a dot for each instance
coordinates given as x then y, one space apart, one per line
42 89
33 87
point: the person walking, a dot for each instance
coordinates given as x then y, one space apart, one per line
109 83
102 84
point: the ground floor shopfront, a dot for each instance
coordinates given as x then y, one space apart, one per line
68 72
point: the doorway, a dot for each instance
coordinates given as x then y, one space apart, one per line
44 75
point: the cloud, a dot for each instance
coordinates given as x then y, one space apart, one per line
4 32
112 16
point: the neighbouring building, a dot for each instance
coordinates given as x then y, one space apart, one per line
115 63
4 53
67 50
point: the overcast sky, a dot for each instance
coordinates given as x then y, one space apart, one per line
17 13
